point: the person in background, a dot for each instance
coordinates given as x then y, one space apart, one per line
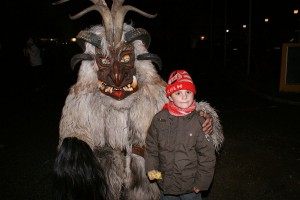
179 155
34 62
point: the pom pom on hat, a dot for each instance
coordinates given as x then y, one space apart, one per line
180 80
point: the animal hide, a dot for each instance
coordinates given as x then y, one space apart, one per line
100 136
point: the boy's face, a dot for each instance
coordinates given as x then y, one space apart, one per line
182 98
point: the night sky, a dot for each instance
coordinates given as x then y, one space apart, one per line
189 17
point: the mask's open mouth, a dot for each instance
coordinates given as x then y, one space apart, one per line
118 93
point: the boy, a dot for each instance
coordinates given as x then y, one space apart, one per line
179 156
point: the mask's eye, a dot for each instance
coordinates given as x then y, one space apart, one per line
125 58
104 61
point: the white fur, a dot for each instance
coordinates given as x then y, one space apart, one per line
101 121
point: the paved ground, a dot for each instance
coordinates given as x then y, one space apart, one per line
261 153
260 158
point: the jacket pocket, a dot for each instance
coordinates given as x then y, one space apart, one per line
188 182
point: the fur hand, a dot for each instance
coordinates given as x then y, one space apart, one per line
207 125
77 172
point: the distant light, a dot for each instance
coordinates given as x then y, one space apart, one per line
227 30
48 39
244 26
266 19
73 39
202 37
295 12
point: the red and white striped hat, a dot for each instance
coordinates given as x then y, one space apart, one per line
180 80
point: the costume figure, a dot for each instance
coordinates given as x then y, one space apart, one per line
108 110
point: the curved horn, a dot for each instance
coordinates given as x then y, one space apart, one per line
112 19
150 56
79 57
101 7
118 13
59 2
86 36
138 34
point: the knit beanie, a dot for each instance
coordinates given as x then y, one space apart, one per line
180 80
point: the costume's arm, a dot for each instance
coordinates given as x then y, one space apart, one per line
217 131
77 173
207 124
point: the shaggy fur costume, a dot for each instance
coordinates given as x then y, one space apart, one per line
98 133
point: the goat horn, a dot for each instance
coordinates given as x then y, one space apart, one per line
112 19
150 56
138 34
86 36
118 13
102 8
79 57
59 2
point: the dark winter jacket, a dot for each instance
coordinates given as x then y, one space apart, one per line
178 148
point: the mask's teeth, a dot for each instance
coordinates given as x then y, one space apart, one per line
107 89
101 85
134 82
127 89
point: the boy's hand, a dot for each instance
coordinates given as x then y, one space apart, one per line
154 175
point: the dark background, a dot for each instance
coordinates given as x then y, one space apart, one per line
175 31
175 18
260 158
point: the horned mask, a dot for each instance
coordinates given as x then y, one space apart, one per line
116 64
